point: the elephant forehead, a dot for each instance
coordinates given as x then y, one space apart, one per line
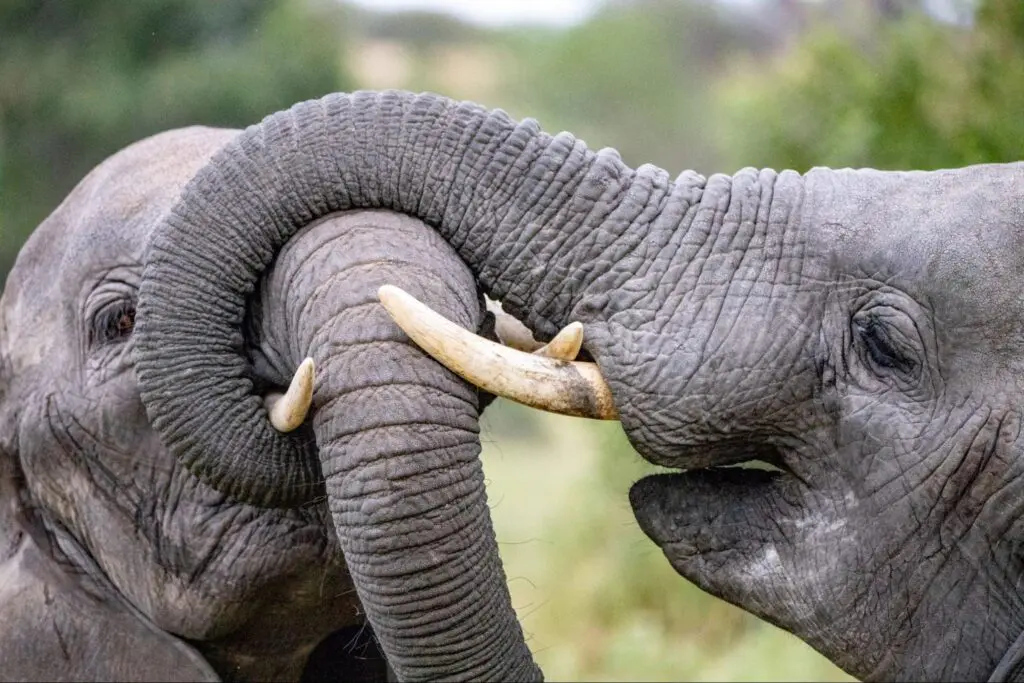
102 225
953 239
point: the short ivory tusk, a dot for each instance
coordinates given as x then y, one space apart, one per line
558 386
565 345
289 410
510 332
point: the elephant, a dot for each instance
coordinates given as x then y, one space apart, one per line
856 331
118 563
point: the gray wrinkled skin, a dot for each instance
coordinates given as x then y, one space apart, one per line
116 563
873 348
860 330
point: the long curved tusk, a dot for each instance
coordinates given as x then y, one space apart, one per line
289 410
558 386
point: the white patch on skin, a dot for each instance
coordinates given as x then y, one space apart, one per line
800 584
814 530
817 528
767 566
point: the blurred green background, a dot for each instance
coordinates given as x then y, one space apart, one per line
702 84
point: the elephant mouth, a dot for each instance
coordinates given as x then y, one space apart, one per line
702 514
752 464
736 485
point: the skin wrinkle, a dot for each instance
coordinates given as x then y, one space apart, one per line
215 545
913 482
705 279
408 601
516 289
526 249
433 112
504 190
450 208
497 193
595 196
60 429
353 272
299 311
640 202
469 145
974 471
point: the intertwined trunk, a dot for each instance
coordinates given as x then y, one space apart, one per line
543 223
487 184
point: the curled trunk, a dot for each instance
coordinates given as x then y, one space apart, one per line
486 183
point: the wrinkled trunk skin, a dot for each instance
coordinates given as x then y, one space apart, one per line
486 183
398 441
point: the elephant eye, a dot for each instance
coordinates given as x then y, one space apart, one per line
114 323
887 341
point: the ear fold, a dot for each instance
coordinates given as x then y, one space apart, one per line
53 629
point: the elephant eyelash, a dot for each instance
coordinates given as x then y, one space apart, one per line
114 323
886 348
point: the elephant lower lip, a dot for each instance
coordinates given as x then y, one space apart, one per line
685 513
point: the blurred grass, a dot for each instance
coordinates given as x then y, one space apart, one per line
597 600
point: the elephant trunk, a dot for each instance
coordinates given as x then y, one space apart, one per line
487 184
398 443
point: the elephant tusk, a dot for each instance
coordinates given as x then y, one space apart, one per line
510 332
289 410
566 344
552 384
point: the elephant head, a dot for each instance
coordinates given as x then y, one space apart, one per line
118 563
860 331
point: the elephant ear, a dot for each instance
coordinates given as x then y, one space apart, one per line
52 628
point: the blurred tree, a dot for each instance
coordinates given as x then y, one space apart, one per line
79 80
418 29
636 77
896 90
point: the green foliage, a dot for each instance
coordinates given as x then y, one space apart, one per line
80 80
635 77
910 93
